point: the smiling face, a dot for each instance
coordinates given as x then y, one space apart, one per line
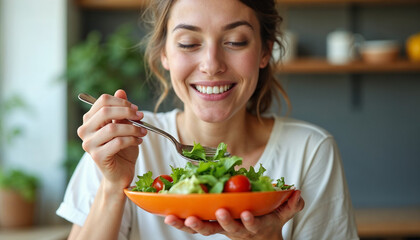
213 51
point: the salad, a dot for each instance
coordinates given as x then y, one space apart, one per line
216 174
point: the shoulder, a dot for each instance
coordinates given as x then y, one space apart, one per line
293 124
301 131
296 144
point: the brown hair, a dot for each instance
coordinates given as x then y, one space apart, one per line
157 16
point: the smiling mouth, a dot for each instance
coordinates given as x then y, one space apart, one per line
213 89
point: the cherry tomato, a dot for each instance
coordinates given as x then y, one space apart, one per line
158 184
204 187
237 183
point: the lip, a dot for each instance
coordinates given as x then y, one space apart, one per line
212 83
213 97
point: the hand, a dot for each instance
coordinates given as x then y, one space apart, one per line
248 227
110 139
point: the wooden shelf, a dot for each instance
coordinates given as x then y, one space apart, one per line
138 4
388 222
321 66
112 4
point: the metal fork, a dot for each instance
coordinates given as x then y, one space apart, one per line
210 151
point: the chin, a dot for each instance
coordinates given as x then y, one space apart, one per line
213 116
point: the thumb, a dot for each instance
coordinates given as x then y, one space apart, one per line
291 207
121 94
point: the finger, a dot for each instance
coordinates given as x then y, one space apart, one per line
123 95
177 223
107 100
114 146
296 202
203 227
111 131
301 204
106 114
250 222
227 222
120 94
292 206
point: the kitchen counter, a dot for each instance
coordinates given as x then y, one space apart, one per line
388 222
54 232
384 223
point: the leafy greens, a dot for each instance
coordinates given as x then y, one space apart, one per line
212 172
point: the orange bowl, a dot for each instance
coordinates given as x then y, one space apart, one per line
204 206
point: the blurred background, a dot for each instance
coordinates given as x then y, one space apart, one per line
51 50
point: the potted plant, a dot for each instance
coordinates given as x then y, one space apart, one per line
97 65
18 192
100 65
17 188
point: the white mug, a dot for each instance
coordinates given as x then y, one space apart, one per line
341 46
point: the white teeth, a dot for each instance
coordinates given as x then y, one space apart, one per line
212 90
216 90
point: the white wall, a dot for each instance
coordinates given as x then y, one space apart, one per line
33 49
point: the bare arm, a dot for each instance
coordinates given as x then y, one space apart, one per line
112 142
75 230
104 219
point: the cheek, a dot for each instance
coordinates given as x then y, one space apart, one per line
248 65
181 68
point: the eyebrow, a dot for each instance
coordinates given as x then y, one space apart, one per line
225 28
237 24
187 27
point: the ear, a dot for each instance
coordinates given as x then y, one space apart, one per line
266 55
164 59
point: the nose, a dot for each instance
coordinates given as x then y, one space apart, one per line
212 61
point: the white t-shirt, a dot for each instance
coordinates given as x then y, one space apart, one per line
306 155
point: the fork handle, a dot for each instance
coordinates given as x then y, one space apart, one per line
91 100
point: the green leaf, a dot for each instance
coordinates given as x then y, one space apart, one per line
254 176
144 183
215 174
180 173
220 152
219 186
97 65
23 183
208 179
186 186
166 184
263 184
197 153
281 184
227 165
204 167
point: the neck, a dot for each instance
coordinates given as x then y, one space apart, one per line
243 133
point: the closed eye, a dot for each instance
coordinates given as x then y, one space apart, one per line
187 46
237 44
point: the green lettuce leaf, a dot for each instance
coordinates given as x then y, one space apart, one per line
144 183
197 153
220 152
281 184
263 184
187 186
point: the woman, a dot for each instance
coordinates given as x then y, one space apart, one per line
217 53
